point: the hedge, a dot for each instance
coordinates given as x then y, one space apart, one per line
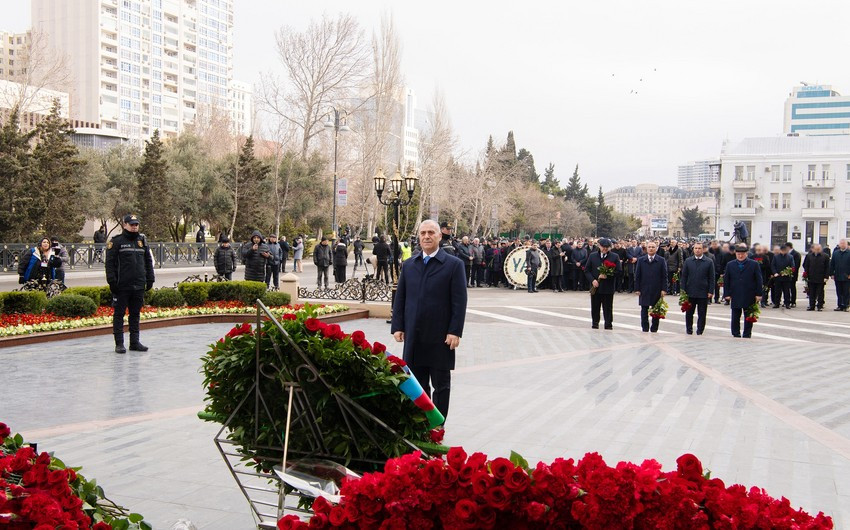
94 293
166 297
24 301
242 291
195 293
275 299
71 305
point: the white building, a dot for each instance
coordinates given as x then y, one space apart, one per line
242 108
13 55
141 65
816 110
696 175
34 104
410 133
791 188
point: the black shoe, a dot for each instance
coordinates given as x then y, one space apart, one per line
119 348
788 306
138 347
811 309
645 330
747 336
736 336
820 309
793 304
775 306
699 332
594 326
689 331
726 303
609 327
838 309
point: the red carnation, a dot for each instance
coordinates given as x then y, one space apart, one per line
689 467
456 457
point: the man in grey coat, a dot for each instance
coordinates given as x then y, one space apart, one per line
273 262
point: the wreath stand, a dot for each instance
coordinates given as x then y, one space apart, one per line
267 495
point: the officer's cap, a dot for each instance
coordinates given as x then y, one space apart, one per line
131 219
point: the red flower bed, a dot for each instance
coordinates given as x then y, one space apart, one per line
471 492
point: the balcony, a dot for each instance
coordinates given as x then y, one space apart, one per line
818 213
714 185
822 184
744 184
743 212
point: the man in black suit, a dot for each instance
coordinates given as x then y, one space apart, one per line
817 273
428 314
698 282
650 284
798 260
742 287
603 285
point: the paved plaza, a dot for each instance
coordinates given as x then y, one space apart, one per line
532 376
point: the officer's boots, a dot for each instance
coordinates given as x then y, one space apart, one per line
135 345
119 344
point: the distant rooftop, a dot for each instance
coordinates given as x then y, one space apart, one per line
791 145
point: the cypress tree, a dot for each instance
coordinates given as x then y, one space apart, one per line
154 197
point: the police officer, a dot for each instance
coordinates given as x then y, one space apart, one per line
129 273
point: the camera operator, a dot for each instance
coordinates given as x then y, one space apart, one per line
60 252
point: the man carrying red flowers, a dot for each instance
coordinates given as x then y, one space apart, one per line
742 286
698 284
603 285
429 312
650 282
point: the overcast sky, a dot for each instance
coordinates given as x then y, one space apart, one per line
560 74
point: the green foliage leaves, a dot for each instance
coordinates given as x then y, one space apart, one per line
95 293
242 291
195 293
275 299
71 305
166 297
693 221
153 203
24 302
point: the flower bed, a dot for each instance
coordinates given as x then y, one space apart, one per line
24 324
471 492
37 491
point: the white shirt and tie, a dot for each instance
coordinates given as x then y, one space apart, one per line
427 257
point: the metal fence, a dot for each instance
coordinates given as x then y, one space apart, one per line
90 256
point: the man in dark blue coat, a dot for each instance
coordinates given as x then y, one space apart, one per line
698 282
428 313
839 269
650 281
742 287
780 262
602 286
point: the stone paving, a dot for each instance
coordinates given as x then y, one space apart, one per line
532 377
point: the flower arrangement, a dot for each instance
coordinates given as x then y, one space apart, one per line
605 270
659 310
675 278
758 259
25 324
472 492
685 302
787 272
347 363
720 281
38 491
752 312
806 282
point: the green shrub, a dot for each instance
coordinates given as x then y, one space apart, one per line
105 296
24 302
71 305
274 299
245 292
166 297
94 293
195 293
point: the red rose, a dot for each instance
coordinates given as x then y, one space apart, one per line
358 337
517 481
314 324
481 483
448 476
689 467
4 431
535 510
486 516
611 264
437 435
465 509
456 457
319 520
321 505
396 365
500 467
498 497
337 516
289 316
477 460
333 331
378 348
244 329
105 526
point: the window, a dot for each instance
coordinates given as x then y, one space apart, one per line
786 173
751 198
738 200
786 201
811 173
774 173
774 201
825 173
751 172
810 200
847 229
847 202
739 172
848 172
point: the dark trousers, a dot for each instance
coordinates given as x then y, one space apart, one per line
780 292
321 272
672 287
737 312
580 279
273 273
339 273
556 283
531 280
358 258
477 275
468 269
121 301
842 292
700 305
385 267
283 263
438 378
606 303
644 320
816 295
228 276
794 291
59 274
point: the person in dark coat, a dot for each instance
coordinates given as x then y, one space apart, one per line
817 272
556 266
129 273
650 283
632 254
603 297
782 261
698 283
798 261
358 251
100 235
381 251
532 264
225 259
742 287
429 311
201 237
725 256
285 248
340 260
839 269
579 257
623 253
322 259
272 273
764 258
254 256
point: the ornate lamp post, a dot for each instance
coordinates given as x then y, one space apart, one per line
394 198
336 121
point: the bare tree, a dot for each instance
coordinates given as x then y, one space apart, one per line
437 146
40 67
323 65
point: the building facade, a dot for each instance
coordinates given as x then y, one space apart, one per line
242 108
816 110
141 65
791 188
659 207
14 48
696 175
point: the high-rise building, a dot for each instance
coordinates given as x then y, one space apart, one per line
13 55
816 110
696 175
141 65
411 133
242 107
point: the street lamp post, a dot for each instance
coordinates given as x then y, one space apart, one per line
714 170
551 198
336 121
394 199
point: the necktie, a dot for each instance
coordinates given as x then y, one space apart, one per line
650 260
425 259
603 256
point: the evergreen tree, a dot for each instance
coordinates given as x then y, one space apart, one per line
604 217
154 197
551 185
574 191
491 148
250 212
510 146
526 160
692 221
57 165
18 207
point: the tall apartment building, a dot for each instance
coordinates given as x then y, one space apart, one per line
816 110
141 65
13 55
696 175
242 108
787 189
